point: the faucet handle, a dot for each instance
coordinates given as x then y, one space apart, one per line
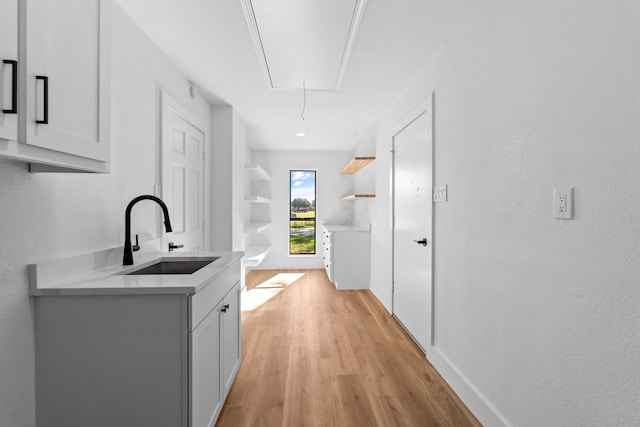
136 247
172 246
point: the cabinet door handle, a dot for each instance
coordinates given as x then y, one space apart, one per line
225 308
14 86
45 118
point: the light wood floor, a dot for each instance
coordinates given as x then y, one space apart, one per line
315 356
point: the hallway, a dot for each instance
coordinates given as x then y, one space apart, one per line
315 356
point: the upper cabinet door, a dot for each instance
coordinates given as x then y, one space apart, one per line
66 76
8 69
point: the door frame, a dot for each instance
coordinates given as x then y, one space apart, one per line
423 107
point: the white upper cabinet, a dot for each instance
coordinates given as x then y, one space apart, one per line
63 94
9 70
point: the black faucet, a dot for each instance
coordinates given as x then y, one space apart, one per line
127 257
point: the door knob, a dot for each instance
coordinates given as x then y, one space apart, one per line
422 242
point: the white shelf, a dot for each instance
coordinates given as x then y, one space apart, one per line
256 173
258 227
358 196
257 199
255 255
256 251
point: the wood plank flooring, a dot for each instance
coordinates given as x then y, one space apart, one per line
315 356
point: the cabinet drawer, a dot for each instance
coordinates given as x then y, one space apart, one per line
204 301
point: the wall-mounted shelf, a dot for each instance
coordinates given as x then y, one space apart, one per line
358 196
256 199
255 255
355 165
258 216
257 173
258 227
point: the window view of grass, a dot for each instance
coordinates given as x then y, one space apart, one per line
302 217
302 236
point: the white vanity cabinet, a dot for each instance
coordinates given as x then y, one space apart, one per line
346 252
137 357
63 92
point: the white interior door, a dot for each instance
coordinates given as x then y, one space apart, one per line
182 177
412 229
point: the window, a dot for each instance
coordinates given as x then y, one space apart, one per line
302 212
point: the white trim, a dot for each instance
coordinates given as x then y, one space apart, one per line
353 31
381 295
168 101
257 42
482 409
422 107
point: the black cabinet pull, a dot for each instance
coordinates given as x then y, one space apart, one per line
225 308
422 242
45 118
14 87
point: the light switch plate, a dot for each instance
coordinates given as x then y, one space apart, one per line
563 203
440 193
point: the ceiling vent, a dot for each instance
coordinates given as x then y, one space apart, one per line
303 43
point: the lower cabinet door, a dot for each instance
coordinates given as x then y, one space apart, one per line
204 371
231 337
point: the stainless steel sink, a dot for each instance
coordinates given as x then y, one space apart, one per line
174 266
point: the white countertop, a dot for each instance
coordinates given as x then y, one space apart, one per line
346 227
86 275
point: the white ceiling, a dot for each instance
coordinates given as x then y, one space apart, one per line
306 44
210 42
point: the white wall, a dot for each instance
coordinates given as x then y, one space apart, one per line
48 216
541 317
227 172
329 187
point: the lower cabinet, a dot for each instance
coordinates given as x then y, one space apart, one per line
231 338
161 360
346 255
206 384
215 359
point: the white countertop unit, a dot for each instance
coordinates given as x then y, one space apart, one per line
346 254
103 274
156 350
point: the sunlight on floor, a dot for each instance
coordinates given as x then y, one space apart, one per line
254 298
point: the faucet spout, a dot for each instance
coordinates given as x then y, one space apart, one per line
127 257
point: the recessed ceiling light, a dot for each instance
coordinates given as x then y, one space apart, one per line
301 134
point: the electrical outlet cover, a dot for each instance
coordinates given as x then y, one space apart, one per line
563 203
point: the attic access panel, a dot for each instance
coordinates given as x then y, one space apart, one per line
306 41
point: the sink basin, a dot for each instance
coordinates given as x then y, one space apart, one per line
174 266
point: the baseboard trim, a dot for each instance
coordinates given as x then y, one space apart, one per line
381 295
483 410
